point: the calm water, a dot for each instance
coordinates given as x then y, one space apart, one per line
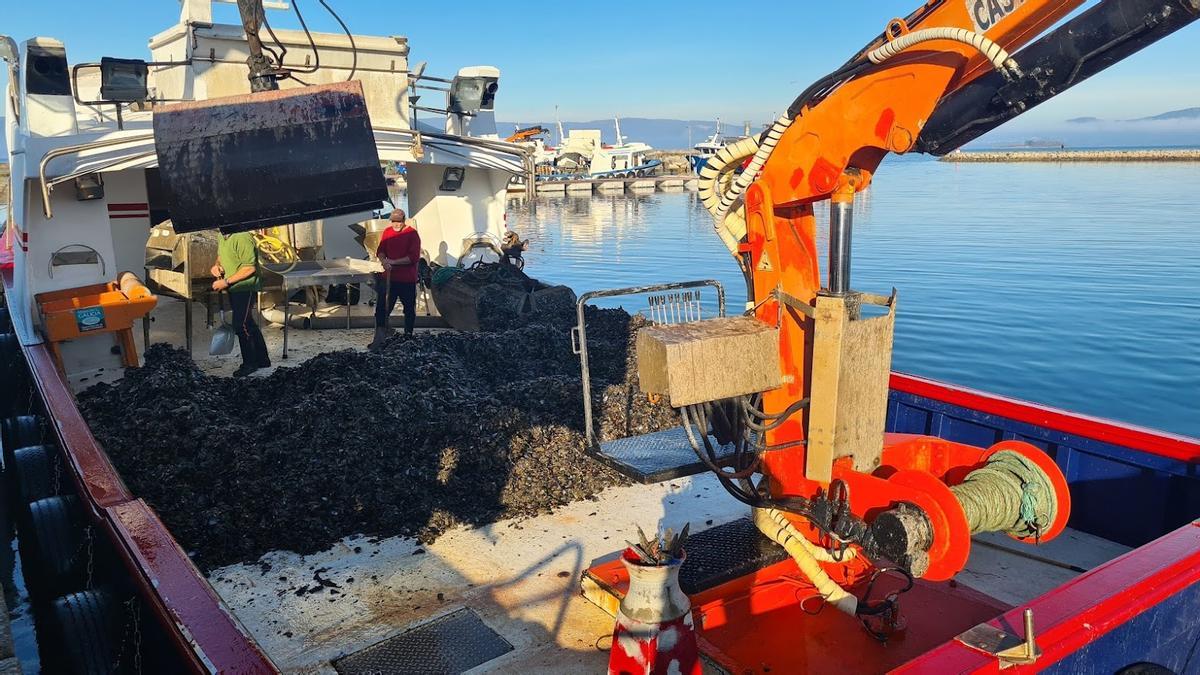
1075 285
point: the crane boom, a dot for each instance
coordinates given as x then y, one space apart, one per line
943 75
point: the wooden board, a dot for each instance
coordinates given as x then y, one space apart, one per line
852 360
708 360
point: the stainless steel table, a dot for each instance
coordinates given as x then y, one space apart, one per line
307 273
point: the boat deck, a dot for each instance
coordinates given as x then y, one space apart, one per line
521 578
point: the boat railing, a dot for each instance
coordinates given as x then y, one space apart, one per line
678 302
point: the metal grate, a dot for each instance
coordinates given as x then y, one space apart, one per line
452 644
724 553
653 458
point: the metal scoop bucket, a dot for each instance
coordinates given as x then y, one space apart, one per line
269 158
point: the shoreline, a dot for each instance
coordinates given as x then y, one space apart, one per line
1160 155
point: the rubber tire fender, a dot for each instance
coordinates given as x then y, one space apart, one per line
32 471
90 625
19 432
12 373
59 542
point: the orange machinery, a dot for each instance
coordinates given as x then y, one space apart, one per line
526 134
809 453
74 313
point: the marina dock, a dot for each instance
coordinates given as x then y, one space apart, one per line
617 185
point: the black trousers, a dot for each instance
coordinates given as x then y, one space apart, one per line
406 293
250 338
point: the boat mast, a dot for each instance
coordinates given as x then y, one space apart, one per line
617 124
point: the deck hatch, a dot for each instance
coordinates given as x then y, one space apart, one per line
653 458
452 644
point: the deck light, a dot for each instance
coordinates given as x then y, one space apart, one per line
89 186
452 178
123 80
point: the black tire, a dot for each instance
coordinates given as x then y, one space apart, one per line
19 432
90 624
59 544
33 472
14 396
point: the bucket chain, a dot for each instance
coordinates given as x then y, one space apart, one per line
132 633
89 539
56 482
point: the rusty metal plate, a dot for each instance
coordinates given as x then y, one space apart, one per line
989 639
268 158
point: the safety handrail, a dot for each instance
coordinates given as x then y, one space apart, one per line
579 332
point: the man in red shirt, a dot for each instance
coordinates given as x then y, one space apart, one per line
399 252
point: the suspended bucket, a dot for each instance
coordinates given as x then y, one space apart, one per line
269 158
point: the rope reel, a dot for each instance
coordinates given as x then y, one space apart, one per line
1009 494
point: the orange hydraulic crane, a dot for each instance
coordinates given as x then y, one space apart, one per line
526 134
810 455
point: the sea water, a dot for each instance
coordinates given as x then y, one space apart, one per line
1075 285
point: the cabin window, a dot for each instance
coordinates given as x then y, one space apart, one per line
46 71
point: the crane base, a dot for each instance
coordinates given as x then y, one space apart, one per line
754 612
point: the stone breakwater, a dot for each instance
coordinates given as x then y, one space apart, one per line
1164 155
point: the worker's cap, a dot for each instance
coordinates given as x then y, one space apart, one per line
398 216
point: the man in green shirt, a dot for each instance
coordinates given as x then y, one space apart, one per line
237 272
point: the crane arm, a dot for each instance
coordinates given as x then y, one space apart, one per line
933 80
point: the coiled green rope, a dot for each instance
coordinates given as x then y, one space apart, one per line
1010 494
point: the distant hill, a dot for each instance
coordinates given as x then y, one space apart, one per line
1185 114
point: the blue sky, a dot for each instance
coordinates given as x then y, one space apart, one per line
694 60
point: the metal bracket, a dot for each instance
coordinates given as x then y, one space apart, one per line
1010 650
795 303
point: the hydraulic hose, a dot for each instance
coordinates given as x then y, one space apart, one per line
723 202
808 556
999 57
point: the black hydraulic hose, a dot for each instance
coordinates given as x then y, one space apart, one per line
1104 35
353 47
316 53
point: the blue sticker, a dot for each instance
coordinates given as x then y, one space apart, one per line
89 318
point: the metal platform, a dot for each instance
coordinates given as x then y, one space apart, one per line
653 458
714 556
455 643
724 553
